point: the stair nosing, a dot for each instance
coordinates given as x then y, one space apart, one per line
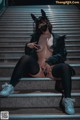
47 116
47 94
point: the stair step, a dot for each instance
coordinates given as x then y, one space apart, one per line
57 15
35 79
29 7
21 47
29 28
45 117
6 69
38 84
30 32
54 23
22 41
17 46
57 25
5 54
43 112
25 36
15 59
12 66
11 52
36 111
29 19
29 100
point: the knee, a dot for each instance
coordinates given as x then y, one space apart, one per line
65 67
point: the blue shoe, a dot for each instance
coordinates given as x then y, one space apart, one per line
68 105
7 89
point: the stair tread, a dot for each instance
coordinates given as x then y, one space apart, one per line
20 51
5 40
75 93
39 111
50 112
16 58
44 116
9 46
33 79
6 65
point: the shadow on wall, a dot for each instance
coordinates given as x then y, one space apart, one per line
31 2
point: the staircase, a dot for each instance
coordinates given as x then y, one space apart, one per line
36 98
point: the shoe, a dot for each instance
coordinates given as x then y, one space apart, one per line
68 105
7 89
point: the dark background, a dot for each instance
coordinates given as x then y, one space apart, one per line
31 2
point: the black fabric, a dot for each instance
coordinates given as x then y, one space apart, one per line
28 65
63 71
25 66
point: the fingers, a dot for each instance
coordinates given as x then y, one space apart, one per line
36 46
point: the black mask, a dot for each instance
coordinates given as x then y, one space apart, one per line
43 28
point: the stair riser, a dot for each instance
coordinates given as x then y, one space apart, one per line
21 48
30 102
69 36
31 32
47 119
70 30
72 61
38 14
30 86
15 60
5 41
30 25
22 41
55 18
23 53
23 25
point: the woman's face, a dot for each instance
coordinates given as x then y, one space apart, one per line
42 26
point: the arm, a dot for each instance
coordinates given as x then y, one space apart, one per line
60 54
27 49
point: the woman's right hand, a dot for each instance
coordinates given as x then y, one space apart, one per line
32 45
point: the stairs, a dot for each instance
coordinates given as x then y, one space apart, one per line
36 99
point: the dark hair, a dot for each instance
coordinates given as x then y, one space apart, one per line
39 20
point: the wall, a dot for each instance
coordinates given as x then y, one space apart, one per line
1 4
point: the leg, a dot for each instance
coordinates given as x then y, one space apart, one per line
63 70
25 66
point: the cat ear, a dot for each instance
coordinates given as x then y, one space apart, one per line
34 17
43 13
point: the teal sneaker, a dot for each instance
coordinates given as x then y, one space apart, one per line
7 89
68 105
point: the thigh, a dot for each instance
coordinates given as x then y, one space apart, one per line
57 70
32 66
28 64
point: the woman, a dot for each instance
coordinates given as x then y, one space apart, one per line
45 56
